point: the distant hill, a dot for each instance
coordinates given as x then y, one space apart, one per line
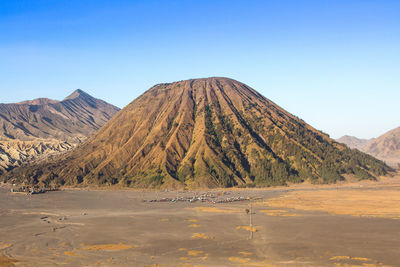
353 142
213 132
386 147
43 126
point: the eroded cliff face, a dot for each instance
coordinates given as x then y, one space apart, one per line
13 153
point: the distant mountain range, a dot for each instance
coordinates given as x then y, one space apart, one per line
386 147
71 120
36 128
201 133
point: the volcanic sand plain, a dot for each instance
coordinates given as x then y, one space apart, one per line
352 224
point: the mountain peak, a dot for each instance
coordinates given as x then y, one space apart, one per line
78 93
38 101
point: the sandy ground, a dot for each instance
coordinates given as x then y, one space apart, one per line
337 225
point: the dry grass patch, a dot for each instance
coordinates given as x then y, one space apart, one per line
363 265
108 247
70 253
370 203
6 261
200 236
4 245
340 258
282 213
239 260
248 228
259 264
335 258
195 253
215 210
273 211
244 253
205 258
354 262
360 259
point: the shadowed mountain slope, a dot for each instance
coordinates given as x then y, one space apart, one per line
213 132
76 117
40 127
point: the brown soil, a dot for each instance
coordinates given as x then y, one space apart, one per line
116 228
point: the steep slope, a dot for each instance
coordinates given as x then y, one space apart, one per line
386 147
353 142
213 132
43 126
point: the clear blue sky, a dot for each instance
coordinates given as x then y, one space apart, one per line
335 64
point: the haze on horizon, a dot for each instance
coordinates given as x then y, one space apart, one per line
334 64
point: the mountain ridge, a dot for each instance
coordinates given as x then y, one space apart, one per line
70 119
37 101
